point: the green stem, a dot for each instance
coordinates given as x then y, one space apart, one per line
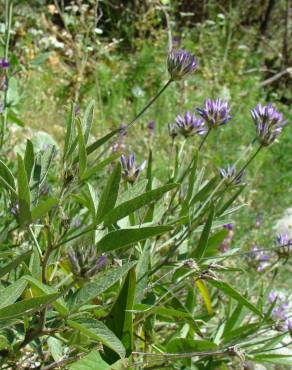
204 139
149 104
8 20
247 163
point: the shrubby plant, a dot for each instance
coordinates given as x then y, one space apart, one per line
103 266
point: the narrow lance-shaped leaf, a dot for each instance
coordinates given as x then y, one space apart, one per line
231 292
82 149
110 193
29 158
205 295
99 332
94 288
99 166
125 237
24 307
87 120
7 176
23 193
59 304
230 201
126 208
12 265
10 294
69 130
120 318
43 208
203 242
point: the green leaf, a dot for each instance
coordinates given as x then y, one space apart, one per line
231 292
203 193
43 208
272 358
69 130
7 176
120 318
230 201
23 193
92 361
24 307
142 272
99 166
110 193
29 158
185 345
125 237
104 281
59 304
87 120
82 149
10 294
99 332
126 208
205 294
203 242
12 265
98 143
232 320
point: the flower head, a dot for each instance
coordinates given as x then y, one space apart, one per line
258 259
281 311
284 244
181 63
130 171
269 123
229 175
215 112
84 261
189 125
4 63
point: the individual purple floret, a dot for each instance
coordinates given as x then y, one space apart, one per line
130 171
189 125
4 63
120 143
215 112
180 64
102 261
258 259
225 245
284 244
269 123
151 126
229 175
281 311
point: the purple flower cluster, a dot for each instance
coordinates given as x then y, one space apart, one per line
229 175
225 245
189 125
258 259
284 244
180 64
215 112
130 171
269 123
84 261
282 310
4 63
